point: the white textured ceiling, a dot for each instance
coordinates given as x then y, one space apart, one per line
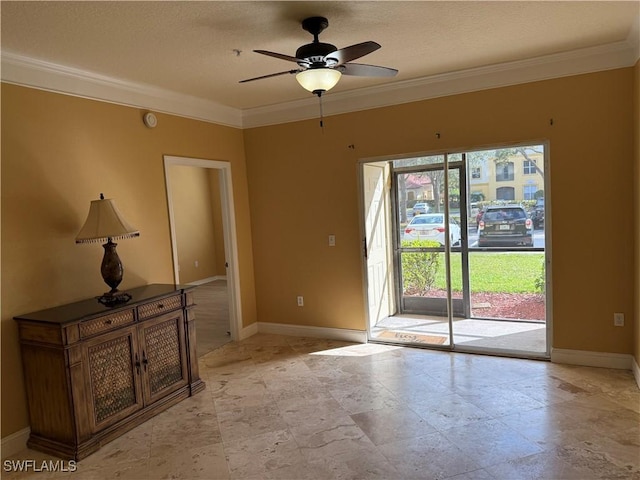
189 47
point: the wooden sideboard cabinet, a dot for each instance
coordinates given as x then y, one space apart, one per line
93 372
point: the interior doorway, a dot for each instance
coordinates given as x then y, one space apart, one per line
203 241
466 259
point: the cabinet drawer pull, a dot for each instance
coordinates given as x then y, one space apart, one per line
163 305
106 323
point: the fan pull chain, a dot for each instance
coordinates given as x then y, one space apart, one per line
321 114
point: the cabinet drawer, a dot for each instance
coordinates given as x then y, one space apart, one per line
106 323
157 308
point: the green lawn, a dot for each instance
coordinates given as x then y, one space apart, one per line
495 272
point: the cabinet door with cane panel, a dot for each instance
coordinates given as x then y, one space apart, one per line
134 367
163 356
113 373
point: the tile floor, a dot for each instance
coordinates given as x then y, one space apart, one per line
212 316
279 407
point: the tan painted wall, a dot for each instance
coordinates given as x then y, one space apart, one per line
197 238
303 184
58 153
636 176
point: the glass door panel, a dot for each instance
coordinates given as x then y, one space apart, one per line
506 251
428 230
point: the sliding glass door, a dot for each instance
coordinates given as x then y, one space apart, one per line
466 249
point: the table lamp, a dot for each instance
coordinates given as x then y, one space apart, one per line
105 222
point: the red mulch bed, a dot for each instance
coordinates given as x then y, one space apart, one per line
524 306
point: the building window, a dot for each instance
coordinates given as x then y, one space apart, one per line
529 167
505 193
530 192
476 172
504 172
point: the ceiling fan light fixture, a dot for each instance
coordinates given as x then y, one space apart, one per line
318 80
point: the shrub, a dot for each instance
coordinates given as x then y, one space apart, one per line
419 269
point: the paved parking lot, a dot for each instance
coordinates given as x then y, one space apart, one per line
538 238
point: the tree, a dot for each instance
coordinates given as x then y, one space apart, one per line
437 180
402 185
402 198
504 155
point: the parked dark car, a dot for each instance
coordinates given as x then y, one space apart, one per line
537 216
505 225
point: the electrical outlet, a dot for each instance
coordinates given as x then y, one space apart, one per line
300 301
196 263
618 319
332 240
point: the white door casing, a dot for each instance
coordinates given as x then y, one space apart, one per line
229 233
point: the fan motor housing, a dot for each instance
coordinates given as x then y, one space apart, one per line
315 52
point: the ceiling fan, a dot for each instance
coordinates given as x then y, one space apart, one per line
320 65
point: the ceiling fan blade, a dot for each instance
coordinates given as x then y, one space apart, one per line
270 75
281 56
361 70
353 52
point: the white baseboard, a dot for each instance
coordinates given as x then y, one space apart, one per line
636 370
207 280
246 332
14 443
356 336
592 359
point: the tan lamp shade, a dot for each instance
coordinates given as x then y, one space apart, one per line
105 222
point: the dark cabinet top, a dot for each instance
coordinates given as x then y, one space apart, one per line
88 308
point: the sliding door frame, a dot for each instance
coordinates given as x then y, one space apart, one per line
464 245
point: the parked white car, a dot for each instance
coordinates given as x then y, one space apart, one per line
419 208
431 227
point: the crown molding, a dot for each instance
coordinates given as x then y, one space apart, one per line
43 75
34 73
587 60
